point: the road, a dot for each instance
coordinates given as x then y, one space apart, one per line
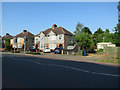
19 71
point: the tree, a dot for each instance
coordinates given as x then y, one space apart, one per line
117 34
99 31
83 40
7 44
78 27
107 31
86 30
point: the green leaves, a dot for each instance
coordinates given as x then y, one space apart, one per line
83 37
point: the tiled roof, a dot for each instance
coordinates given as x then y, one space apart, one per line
58 30
25 34
7 36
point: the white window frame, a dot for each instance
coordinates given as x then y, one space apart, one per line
42 45
19 39
20 45
59 36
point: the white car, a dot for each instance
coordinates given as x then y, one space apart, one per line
47 50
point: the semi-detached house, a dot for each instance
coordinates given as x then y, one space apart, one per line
54 37
19 44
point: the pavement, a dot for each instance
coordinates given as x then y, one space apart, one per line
93 58
22 71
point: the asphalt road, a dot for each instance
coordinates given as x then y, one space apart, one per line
19 71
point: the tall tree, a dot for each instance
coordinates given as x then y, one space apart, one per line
79 27
107 31
117 35
86 30
83 40
99 31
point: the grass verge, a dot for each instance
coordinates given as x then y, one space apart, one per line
110 61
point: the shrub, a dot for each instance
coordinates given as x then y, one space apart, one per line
15 51
7 46
33 53
101 50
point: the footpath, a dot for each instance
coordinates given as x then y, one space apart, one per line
93 58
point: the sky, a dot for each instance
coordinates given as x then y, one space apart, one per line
39 16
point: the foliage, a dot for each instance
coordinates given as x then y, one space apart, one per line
83 40
107 31
101 50
15 51
86 30
117 35
7 44
104 37
98 32
33 53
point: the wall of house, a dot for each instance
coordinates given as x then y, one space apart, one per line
50 39
20 42
30 42
68 39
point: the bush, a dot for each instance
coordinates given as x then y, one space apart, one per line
7 46
101 50
33 53
15 51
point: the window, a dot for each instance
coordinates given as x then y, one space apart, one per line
52 37
19 45
52 46
14 45
36 39
19 39
42 46
60 37
42 38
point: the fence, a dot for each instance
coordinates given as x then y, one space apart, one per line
112 53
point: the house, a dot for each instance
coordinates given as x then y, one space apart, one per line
54 37
4 38
101 45
18 40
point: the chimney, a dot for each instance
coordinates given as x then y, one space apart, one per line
24 31
7 33
54 25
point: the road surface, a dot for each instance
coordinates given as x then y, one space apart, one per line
19 71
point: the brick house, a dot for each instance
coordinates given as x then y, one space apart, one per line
7 36
20 40
53 37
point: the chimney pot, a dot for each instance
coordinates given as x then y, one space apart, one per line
54 25
24 31
7 33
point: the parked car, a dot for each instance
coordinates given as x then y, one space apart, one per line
47 50
32 50
57 51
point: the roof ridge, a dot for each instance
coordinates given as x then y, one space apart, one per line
62 29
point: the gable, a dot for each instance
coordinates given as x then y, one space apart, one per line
51 33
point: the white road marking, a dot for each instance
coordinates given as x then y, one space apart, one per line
78 69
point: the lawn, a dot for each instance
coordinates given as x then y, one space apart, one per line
110 61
